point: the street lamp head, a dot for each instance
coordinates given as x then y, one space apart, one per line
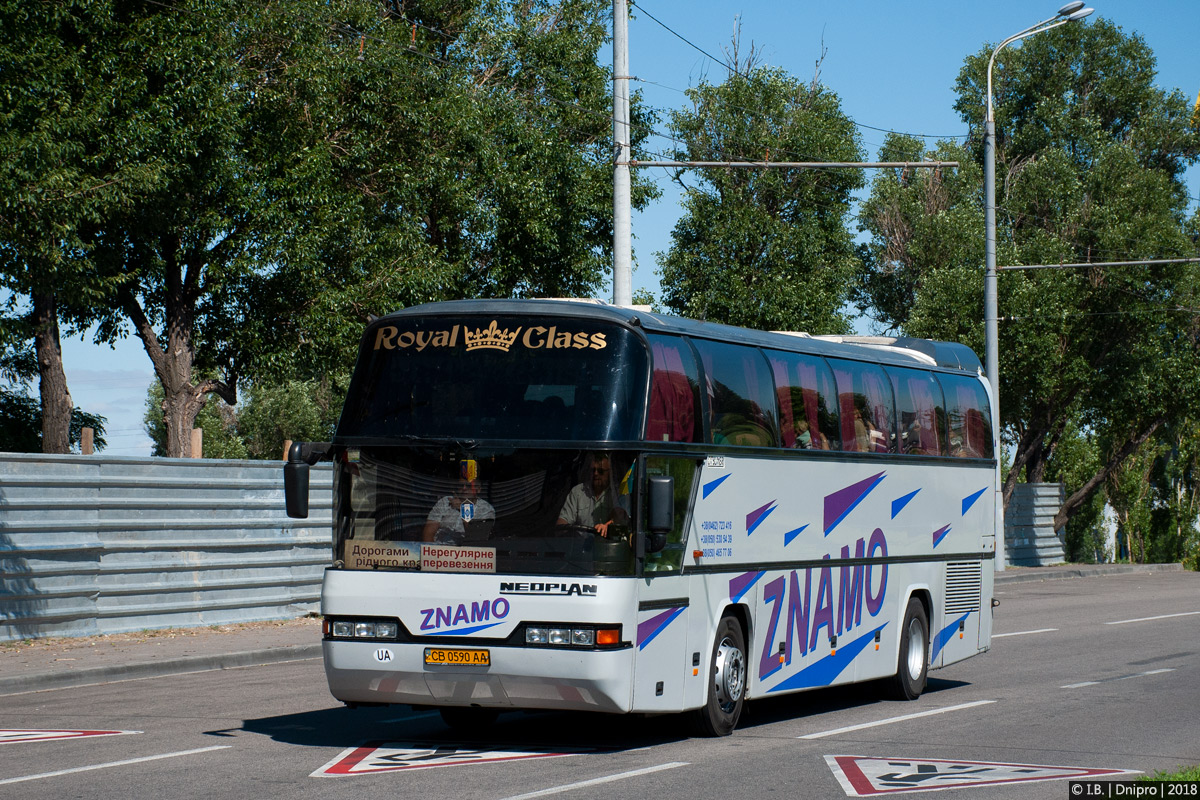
1070 8
1078 15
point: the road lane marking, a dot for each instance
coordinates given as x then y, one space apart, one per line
890 720
1023 633
1118 678
21 735
113 764
620 776
1149 619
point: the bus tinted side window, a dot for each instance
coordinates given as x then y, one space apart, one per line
920 412
807 401
969 417
674 413
741 395
865 405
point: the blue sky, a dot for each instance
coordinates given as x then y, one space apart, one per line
892 63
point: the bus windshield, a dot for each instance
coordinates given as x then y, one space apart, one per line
509 511
499 378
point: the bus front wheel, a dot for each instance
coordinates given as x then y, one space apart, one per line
726 681
912 666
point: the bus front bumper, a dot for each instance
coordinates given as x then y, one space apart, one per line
517 678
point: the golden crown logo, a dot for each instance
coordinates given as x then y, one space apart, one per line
490 337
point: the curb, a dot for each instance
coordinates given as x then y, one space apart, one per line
154 669
1026 574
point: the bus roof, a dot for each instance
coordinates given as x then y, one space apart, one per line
900 351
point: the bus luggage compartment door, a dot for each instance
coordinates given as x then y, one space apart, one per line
661 660
957 635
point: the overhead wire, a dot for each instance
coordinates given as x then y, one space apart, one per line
648 132
733 69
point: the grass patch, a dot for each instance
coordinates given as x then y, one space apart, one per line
1186 774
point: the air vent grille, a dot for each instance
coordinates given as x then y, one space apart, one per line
964 584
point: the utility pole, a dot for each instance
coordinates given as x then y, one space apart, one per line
1071 12
622 222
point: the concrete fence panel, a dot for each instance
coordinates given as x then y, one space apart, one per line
94 545
1029 535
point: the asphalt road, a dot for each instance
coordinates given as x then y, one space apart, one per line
1097 673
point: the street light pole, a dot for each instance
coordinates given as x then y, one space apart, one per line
1071 12
622 213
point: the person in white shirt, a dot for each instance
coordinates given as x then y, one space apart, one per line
448 520
596 504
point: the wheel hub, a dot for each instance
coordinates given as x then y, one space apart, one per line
916 650
730 679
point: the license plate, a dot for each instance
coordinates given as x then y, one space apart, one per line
445 655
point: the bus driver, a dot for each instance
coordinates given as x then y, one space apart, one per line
596 505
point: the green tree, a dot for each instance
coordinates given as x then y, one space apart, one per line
1076 460
466 152
21 426
918 272
217 421
764 248
1090 157
57 176
293 410
1175 477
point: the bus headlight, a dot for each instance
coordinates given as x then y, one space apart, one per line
573 636
362 629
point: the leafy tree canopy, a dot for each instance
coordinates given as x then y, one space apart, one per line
1089 161
284 174
764 248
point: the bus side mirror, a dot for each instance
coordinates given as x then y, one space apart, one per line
661 511
295 488
295 475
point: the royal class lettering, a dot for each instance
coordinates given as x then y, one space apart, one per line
451 616
538 338
491 337
812 617
390 338
554 589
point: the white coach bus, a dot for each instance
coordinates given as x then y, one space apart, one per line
563 505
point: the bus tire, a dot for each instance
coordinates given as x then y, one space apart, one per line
726 691
468 718
912 664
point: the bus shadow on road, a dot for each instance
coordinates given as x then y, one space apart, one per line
556 730
772 710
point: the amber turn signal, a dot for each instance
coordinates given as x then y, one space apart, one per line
608 636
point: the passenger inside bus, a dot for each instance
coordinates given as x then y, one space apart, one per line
808 439
596 503
460 517
868 437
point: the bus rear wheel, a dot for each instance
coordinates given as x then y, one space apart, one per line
726 681
912 665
